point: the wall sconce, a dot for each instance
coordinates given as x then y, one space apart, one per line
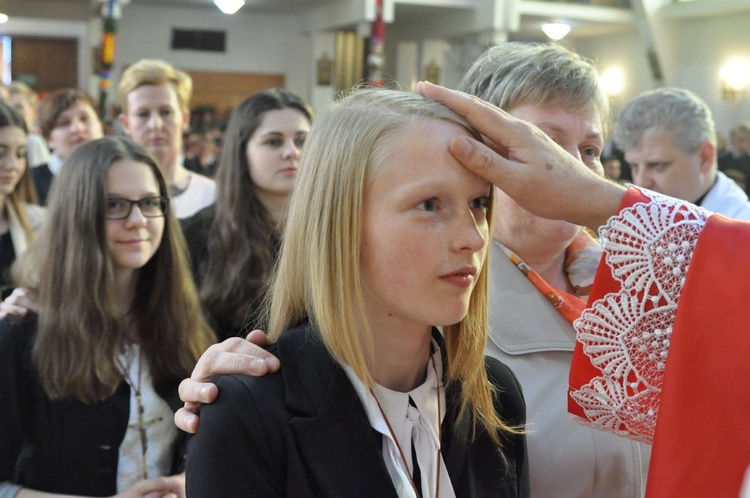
556 30
735 76
612 80
229 6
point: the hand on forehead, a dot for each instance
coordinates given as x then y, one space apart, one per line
526 164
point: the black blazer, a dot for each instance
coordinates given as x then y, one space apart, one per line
196 230
43 179
303 432
61 446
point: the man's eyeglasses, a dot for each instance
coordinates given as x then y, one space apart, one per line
151 207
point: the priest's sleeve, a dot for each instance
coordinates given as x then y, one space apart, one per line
663 351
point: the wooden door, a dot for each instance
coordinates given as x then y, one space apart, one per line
46 64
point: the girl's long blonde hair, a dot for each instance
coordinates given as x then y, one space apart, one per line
318 275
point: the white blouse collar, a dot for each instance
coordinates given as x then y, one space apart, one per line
395 405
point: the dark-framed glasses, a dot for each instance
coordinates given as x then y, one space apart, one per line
118 208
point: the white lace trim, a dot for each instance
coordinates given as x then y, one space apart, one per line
648 247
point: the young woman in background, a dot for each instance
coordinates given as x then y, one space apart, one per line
19 219
234 242
67 120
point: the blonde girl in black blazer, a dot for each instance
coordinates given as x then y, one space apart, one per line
386 238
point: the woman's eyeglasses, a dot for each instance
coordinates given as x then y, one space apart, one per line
151 207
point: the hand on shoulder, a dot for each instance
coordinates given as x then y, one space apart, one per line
233 356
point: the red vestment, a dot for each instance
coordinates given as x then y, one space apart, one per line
663 351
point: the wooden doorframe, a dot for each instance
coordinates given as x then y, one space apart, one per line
47 28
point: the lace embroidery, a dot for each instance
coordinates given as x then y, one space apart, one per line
626 335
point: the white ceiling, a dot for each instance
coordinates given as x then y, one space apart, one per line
277 6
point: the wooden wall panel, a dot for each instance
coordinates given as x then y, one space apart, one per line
225 90
53 61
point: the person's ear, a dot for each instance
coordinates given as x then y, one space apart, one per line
124 122
707 154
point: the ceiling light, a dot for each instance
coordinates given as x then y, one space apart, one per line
556 30
229 6
3 18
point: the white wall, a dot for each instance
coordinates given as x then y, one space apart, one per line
256 43
626 51
705 45
702 46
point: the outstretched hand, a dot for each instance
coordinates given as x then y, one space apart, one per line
20 302
233 356
526 164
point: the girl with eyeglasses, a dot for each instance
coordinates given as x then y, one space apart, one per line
89 384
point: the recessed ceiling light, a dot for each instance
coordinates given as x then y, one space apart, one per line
556 30
229 6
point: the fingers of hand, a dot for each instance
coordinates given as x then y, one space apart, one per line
158 487
193 391
236 356
479 158
248 360
204 369
186 419
258 338
7 310
494 146
17 304
462 103
21 300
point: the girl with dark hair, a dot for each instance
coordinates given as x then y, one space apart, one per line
18 219
89 384
233 243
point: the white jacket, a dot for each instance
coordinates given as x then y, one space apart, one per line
566 459
200 193
727 198
34 215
